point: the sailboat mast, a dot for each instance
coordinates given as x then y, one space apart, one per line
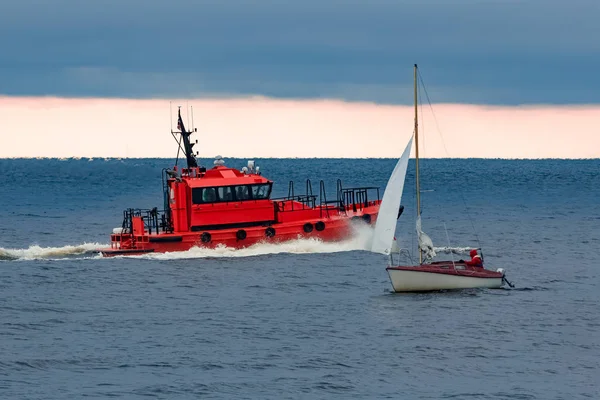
417 157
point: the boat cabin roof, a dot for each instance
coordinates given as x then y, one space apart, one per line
224 176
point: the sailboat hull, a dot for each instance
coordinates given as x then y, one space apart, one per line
433 277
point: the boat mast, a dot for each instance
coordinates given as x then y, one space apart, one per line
187 145
417 157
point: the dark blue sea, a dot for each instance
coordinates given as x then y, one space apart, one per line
303 320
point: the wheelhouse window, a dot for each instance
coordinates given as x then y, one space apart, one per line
261 191
231 193
204 195
225 193
242 193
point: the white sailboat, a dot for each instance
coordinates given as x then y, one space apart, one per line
428 275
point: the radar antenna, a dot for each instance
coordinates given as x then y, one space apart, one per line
187 145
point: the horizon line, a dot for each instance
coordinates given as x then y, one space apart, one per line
304 158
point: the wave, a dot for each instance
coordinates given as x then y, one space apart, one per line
36 252
360 240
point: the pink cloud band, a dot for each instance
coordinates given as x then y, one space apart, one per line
262 127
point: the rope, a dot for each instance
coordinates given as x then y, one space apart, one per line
507 282
178 146
448 238
448 154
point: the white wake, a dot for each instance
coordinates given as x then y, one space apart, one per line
360 240
36 252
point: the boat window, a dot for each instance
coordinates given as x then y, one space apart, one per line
242 193
197 196
203 195
261 191
231 193
209 195
225 193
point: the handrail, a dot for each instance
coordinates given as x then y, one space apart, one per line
358 197
150 218
323 197
309 188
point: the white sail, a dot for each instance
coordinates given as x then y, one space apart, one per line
425 243
385 227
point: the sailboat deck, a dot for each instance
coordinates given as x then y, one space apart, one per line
449 268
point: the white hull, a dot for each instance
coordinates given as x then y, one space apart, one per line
416 281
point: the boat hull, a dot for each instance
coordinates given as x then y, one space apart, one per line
332 229
442 277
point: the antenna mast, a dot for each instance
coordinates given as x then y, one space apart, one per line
187 145
192 110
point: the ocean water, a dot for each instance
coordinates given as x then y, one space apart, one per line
303 320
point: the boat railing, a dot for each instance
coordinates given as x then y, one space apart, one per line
295 203
155 221
354 199
400 253
359 197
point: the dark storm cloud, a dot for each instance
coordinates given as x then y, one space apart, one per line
536 51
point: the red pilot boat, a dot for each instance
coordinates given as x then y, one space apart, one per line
208 207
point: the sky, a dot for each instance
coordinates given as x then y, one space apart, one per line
263 127
538 57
